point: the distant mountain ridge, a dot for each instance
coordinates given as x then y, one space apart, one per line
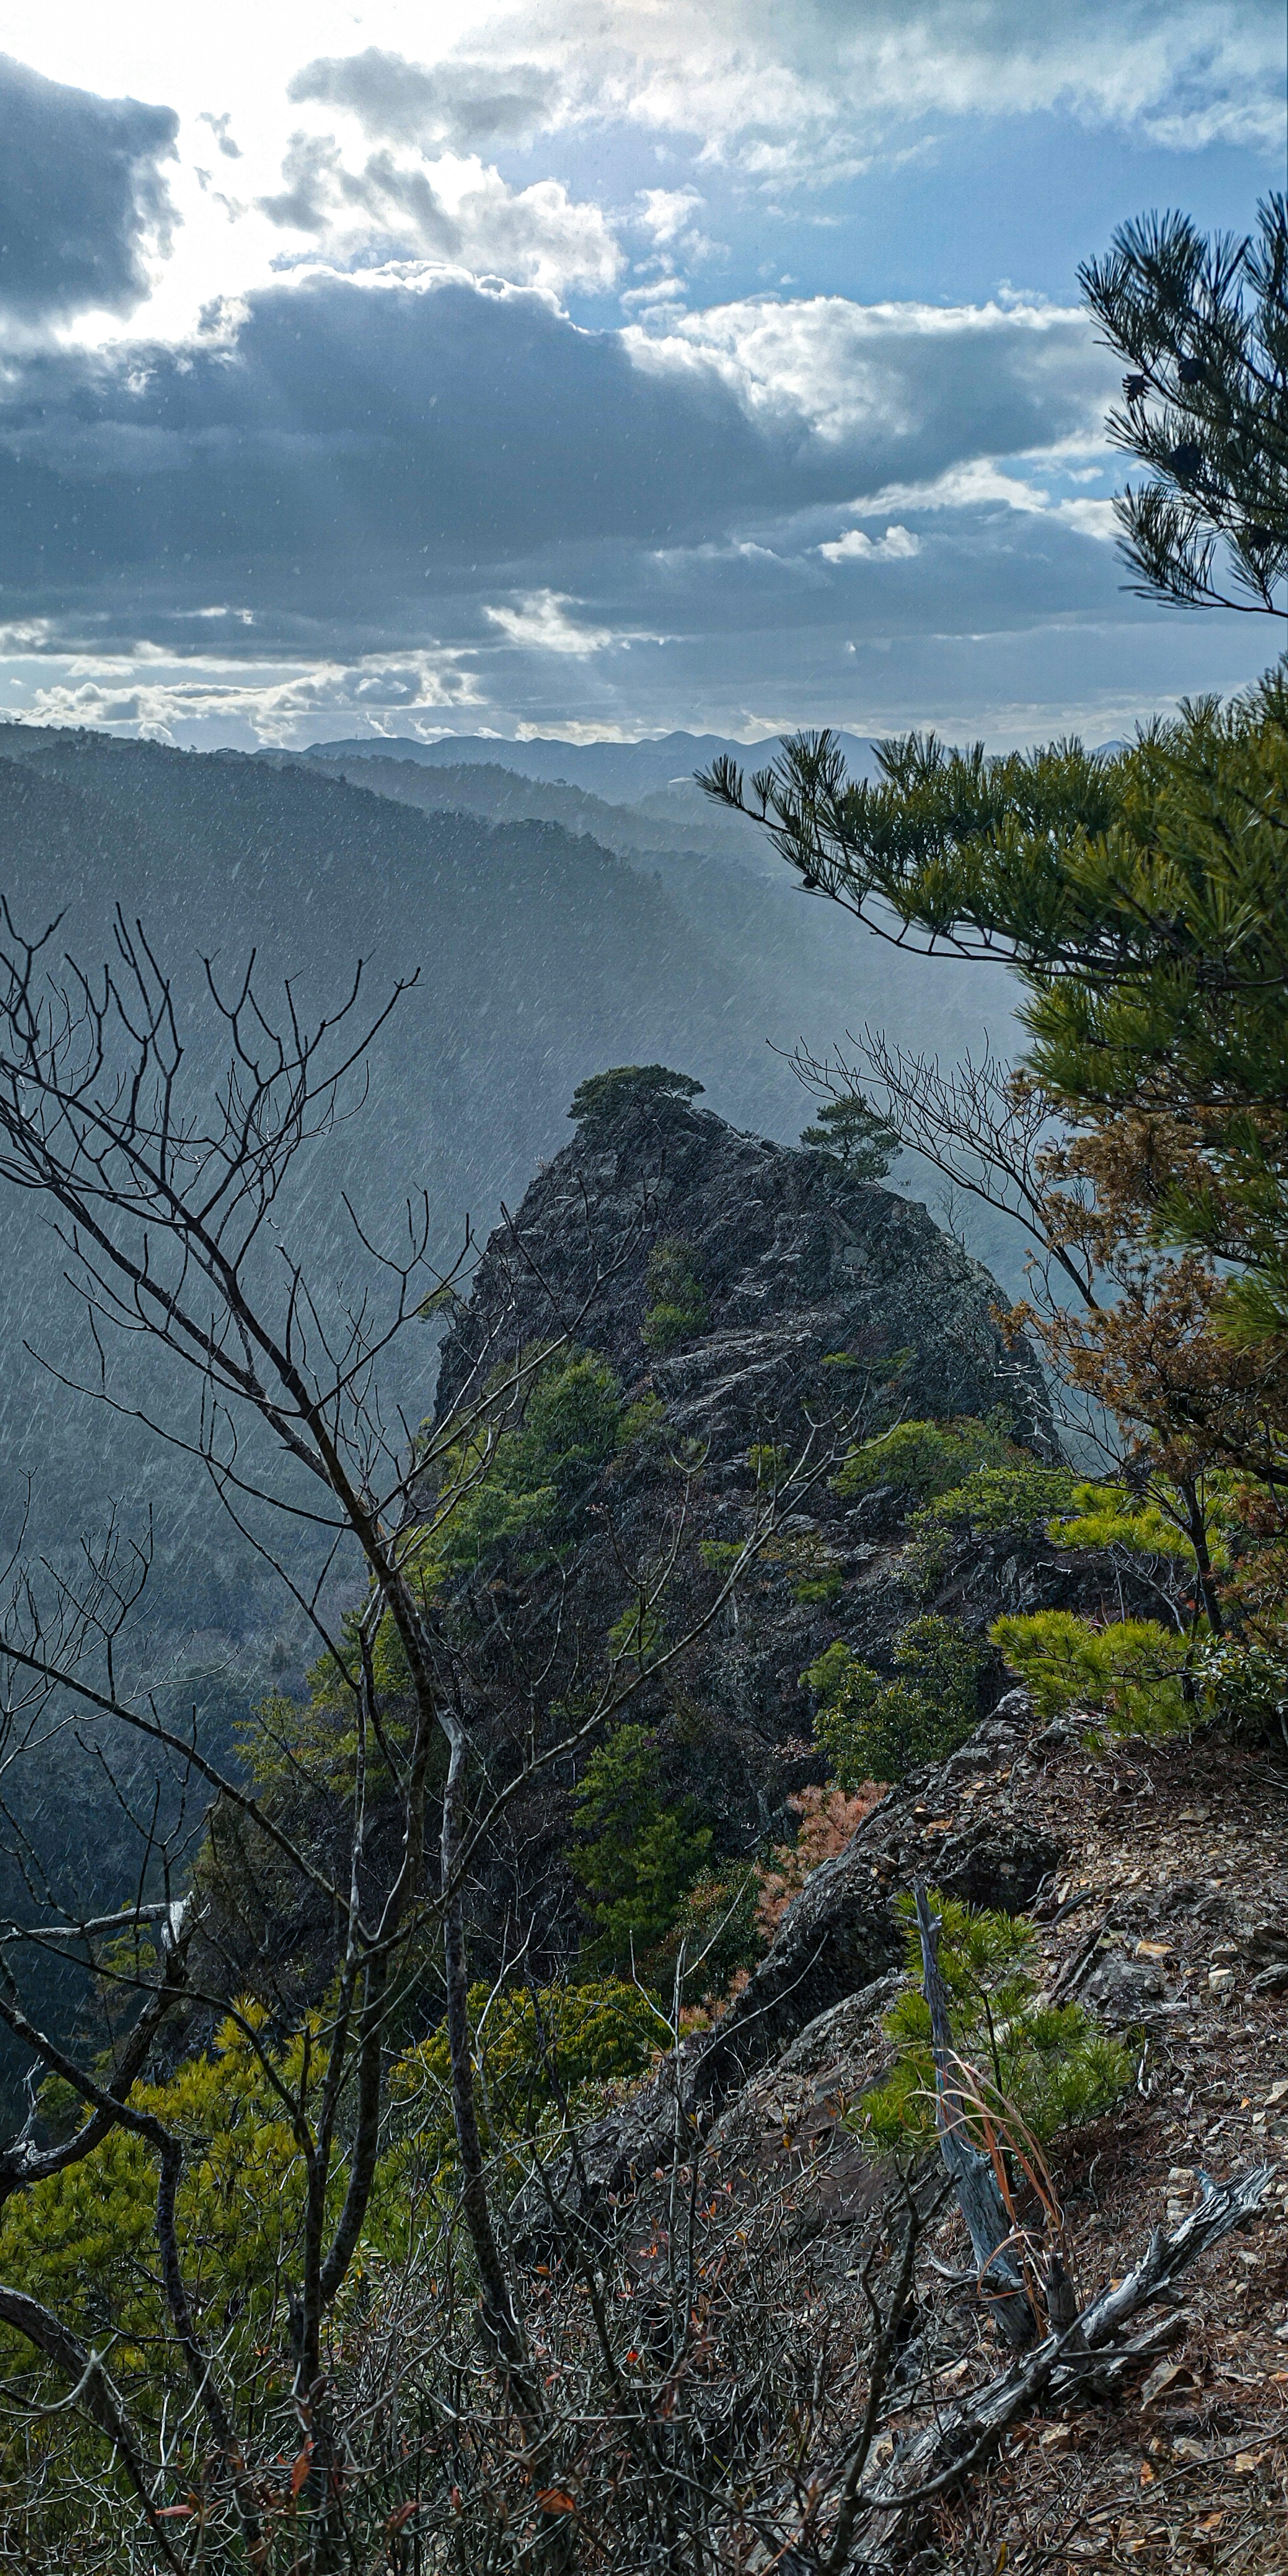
664 824
623 772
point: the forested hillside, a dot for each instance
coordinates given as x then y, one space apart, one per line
538 957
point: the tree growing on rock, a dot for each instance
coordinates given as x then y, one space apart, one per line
603 1096
852 1133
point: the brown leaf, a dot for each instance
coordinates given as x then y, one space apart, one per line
300 2467
556 2500
403 2514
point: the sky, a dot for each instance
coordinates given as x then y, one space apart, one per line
594 367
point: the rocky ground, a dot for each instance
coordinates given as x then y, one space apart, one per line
1165 1910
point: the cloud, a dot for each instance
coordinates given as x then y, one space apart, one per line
454 211
896 546
384 691
365 501
350 448
876 375
981 484
83 202
455 106
541 624
803 92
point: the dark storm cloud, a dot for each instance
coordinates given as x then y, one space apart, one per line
359 450
462 107
81 195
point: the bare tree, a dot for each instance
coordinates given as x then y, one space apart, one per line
171 1196
988 1128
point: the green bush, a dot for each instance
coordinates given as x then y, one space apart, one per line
603 1095
1138 1675
1047 2061
535 2051
872 1728
930 1457
987 1503
636 1857
675 1305
523 1472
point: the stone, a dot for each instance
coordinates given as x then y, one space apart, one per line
797 1263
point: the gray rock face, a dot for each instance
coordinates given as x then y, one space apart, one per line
800 1268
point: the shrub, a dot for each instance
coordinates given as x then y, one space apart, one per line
828 1818
527 1480
1134 1672
988 1503
1046 2061
930 1457
880 1729
540 2054
636 1856
675 1305
604 1095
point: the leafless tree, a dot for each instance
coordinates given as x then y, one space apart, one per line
987 1128
171 1196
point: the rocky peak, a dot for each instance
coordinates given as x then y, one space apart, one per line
810 1285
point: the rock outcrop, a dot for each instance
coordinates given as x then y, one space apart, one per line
801 1268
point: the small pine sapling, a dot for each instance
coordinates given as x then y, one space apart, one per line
1044 2066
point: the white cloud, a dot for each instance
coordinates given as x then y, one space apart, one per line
540 623
166 705
843 369
665 213
983 484
854 547
453 210
801 91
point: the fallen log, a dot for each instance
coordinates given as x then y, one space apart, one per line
873 2519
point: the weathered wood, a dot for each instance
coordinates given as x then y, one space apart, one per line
1094 2348
978 2196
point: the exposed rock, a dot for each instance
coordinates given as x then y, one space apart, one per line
799 1266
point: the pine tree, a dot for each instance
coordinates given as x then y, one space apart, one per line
1203 329
850 1132
636 1856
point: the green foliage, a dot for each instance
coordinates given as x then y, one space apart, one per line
1134 1672
768 1464
636 1636
1201 326
1140 896
636 1857
928 1457
987 1504
871 1728
84 2242
1247 1685
850 1132
1111 1516
675 1304
1108 1516
603 1096
522 1474
541 2056
1047 2062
